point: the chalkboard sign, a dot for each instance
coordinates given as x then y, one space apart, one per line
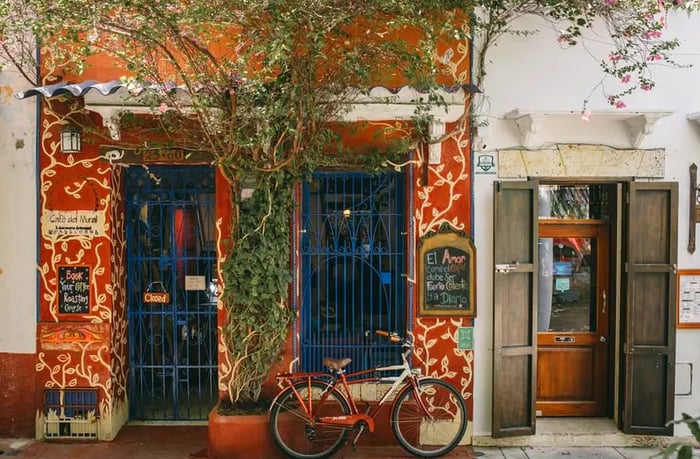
73 289
446 275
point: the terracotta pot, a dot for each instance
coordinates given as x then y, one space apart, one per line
240 437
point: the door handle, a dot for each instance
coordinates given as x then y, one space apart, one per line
505 268
603 339
603 310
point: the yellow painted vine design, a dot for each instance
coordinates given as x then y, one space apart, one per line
73 187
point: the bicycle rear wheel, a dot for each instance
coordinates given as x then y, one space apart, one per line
434 430
295 431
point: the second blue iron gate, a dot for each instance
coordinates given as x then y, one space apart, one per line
352 249
171 288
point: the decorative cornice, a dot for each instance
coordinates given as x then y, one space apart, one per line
639 123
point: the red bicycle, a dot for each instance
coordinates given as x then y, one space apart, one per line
315 412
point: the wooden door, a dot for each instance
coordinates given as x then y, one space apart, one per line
515 314
649 334
573 311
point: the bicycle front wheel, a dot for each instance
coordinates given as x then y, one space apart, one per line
431 420
294 428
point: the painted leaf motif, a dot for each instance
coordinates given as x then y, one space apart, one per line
440 168
458 159
432 362
430 343
445 362
440 182
456 196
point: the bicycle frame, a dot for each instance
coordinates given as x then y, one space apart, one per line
340 378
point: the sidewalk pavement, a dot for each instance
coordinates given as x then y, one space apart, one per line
190 442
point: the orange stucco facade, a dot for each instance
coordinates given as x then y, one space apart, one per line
88 347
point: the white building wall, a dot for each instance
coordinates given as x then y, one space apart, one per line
18 230
535 74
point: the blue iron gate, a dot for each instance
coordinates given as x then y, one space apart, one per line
171 278
352 251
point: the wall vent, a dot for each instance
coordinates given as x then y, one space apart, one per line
70 414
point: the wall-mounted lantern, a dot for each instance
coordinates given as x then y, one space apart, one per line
70 140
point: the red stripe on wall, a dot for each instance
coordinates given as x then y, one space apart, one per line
17 380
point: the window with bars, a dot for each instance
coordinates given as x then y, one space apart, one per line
353 269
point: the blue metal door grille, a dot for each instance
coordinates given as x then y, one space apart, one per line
352 251
171 278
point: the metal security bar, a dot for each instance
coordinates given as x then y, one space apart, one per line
352 250
71 413
172 292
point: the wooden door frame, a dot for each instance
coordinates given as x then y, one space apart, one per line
621 354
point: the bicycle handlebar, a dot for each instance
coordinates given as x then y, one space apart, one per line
390 336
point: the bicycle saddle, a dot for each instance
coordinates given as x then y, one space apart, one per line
336 364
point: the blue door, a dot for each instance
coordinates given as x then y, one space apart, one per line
171 292
353 269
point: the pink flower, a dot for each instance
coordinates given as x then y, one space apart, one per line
610 2
655 57
614 57
646 87
586 115
163 108
626 78
620 104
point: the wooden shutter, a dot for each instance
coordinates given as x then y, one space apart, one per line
515 308
649 334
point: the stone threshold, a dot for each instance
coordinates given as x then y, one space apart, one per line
565 432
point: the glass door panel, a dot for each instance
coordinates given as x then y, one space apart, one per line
568 304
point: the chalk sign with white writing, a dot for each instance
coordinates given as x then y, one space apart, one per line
446 274
74 289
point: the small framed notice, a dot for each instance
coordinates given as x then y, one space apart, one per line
688 314
73 289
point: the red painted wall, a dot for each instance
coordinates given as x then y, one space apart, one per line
17 399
